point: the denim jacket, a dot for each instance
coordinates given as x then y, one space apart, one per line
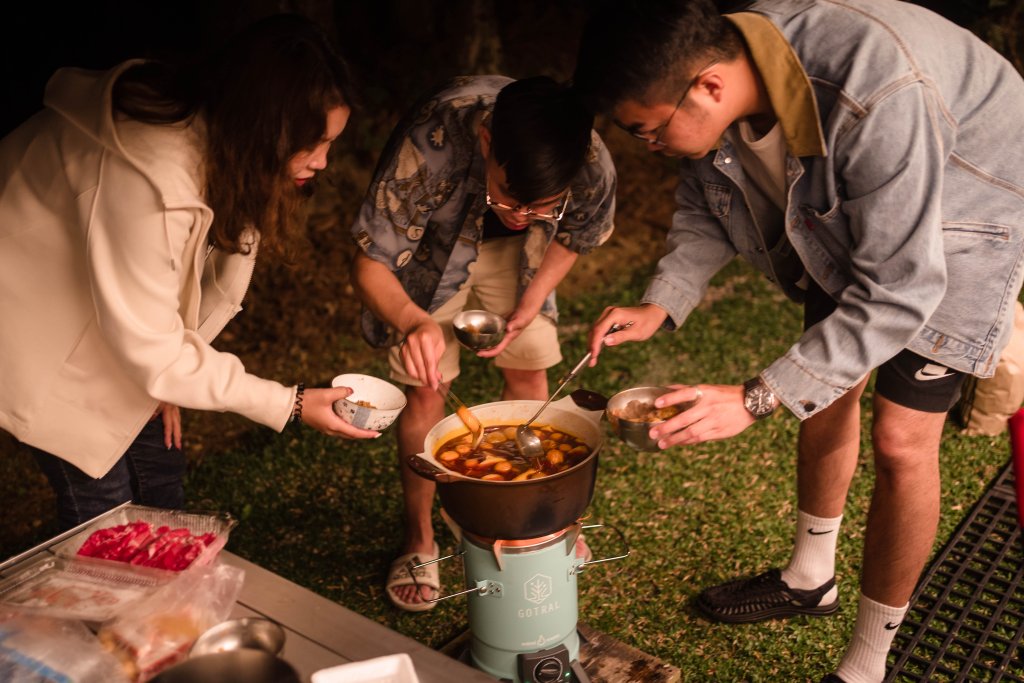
905 193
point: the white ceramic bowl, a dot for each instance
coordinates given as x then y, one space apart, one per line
373 404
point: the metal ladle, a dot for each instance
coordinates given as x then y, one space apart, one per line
527 441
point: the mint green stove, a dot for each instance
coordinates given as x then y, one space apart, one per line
523 603
523 615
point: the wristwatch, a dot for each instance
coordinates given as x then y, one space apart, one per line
758 398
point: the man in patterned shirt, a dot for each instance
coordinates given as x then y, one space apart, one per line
484 197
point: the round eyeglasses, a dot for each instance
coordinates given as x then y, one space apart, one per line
660 130
529 212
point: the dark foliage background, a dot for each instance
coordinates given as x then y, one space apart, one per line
300 322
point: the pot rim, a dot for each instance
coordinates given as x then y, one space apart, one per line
564 405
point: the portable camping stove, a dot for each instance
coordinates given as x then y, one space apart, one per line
523 604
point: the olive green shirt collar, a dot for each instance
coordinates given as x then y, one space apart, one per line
789 88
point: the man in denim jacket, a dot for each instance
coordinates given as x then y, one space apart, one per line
865 155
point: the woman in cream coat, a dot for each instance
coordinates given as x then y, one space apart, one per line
131 209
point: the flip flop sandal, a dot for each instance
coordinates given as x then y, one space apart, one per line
400 574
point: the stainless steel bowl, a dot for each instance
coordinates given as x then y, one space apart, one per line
635 433
236 634
479 330
236 666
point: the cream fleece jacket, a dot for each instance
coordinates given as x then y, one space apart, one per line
109 294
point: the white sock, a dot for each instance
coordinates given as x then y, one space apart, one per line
864 661
814 554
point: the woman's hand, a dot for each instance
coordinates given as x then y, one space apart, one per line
318 413
172 424
645 319
718 414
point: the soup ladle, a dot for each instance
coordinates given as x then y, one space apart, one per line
527 441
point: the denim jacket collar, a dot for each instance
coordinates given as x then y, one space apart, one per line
788 86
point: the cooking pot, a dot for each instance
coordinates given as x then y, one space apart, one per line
231 666
515 510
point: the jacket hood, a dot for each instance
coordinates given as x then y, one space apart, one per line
83 98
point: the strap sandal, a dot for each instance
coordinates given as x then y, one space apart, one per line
402 574
765 596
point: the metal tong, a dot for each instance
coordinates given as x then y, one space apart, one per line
473 424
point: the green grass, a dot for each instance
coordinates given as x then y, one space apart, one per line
325 513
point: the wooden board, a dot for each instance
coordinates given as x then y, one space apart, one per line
607 660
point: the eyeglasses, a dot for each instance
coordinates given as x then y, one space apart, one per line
528 212
660 130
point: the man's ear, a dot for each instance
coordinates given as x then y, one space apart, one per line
711 84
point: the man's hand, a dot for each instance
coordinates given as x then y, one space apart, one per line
384 295
645 319
421 352
318 413
718 414
514 325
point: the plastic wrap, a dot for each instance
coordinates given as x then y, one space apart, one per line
64 589
41 650
159 630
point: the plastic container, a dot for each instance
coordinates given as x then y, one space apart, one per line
388 669
219 524
69 589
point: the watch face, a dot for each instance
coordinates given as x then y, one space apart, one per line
759 400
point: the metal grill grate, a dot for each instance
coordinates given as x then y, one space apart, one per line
966 619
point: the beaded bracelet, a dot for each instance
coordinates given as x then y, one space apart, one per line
297 409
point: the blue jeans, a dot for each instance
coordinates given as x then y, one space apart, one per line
148 474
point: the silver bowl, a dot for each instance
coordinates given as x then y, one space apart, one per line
634 432
251 633
234 666
479 330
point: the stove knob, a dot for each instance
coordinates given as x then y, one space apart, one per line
548 670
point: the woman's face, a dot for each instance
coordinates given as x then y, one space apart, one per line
304 165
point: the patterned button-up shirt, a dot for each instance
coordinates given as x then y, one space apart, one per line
423 213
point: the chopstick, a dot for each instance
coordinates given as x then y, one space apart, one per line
464 413
453 401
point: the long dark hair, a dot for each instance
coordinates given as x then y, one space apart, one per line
263 97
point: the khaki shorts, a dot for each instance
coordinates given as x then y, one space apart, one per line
491 286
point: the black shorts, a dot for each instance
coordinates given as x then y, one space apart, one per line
907 379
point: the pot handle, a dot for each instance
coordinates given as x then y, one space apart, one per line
424 468
624 553
567 403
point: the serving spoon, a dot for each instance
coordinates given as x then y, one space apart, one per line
527 441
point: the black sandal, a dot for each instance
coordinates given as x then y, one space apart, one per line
765 596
